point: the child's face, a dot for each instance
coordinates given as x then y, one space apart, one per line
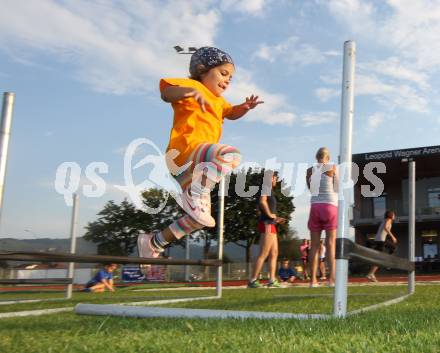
218 78
111 268
285 264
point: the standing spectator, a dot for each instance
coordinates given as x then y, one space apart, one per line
322 268
322 181
267 222
304 249
381 237
286 273
102 280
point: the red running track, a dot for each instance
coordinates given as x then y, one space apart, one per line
384 279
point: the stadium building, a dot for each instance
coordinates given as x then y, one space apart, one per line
371 199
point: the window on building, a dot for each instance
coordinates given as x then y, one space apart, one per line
379 206
430 245
434 197
430 251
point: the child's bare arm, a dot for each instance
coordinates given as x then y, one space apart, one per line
388 230
239 110
108 284
173 94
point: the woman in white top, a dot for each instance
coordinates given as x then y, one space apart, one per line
322 182
381 236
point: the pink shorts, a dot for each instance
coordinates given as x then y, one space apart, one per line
323 216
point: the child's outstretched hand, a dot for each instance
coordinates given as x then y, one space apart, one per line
239 110
251 102
198 97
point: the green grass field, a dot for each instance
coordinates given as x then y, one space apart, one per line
410 326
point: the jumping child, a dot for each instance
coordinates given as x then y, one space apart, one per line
199 160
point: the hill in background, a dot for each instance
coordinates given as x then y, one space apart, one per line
233 252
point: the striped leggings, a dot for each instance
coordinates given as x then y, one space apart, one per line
213 161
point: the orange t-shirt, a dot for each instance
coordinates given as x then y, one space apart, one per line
191 125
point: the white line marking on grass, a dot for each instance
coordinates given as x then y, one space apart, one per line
377 306
168 301
21 301
34 312
184 288
328 295
56 310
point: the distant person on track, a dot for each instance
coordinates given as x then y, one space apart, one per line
103 280
380 243
304 249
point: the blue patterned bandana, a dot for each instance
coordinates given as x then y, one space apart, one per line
209 57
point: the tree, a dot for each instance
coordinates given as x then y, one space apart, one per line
289 246
241 210
117 227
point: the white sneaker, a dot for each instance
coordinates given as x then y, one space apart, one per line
371 278
146 250
198 207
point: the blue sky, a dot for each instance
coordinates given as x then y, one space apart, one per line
86 74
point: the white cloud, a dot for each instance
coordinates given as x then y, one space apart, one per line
332 53
249 7
371 85
114 47
391 95
274 110
392 83
331 79
394 68
124 47
414 30
355 13
290 51
410 31
318 118
408 98
375 120
325 94
411 28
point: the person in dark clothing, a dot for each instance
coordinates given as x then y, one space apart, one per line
102 281
267 222
286 273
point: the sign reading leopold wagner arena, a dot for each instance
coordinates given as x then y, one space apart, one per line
398 154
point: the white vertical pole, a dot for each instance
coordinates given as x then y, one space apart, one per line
411 223
5 134
347 106
71 271
187 255
220 229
